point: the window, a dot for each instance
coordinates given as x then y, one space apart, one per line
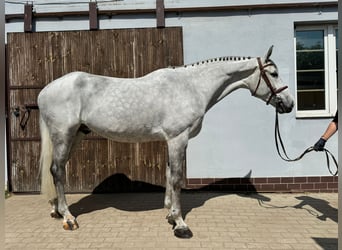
316 70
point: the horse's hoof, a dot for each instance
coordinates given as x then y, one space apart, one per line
184 233
70 225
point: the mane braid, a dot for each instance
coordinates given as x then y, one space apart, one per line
217 59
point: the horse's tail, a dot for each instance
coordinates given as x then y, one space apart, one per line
47 185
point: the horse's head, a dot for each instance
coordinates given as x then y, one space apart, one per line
269 87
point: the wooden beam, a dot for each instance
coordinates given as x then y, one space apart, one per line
160 13
330 4
28 17
93 20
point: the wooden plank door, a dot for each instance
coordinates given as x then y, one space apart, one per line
35 59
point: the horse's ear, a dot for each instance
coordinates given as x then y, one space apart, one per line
269 53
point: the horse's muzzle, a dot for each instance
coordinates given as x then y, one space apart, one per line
282 107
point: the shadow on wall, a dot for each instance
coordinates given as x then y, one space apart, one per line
120 183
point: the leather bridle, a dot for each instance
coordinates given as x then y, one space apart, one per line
263 75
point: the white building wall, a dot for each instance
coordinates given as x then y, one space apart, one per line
238 133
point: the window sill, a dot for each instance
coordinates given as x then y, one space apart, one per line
314 114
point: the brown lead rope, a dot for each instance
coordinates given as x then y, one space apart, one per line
285 157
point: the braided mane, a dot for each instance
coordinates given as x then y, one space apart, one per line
217 59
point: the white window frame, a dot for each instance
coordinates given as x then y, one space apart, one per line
330 71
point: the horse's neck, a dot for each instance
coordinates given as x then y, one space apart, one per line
219 79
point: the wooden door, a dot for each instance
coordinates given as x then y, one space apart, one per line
35 59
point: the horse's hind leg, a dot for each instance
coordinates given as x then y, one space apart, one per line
54 202
62 148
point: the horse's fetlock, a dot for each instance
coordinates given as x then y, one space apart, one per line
175 213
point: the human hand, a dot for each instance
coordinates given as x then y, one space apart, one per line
319 145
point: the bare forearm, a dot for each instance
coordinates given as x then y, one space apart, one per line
331 129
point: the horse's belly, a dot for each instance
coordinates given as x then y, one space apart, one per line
130 135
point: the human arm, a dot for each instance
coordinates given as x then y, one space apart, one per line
330 131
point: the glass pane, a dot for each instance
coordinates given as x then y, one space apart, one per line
311 100
310 60
310 39
310 80
310 69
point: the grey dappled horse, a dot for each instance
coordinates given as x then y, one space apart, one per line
168 104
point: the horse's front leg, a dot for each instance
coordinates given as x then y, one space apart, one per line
176 149
168 195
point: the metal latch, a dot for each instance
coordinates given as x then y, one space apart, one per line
26 108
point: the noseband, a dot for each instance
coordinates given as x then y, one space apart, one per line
263 75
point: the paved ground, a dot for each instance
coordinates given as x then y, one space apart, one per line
137 221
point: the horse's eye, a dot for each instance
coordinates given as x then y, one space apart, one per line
274 74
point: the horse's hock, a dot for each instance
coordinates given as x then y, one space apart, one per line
35 59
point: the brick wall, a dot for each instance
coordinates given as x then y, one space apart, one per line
269 184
